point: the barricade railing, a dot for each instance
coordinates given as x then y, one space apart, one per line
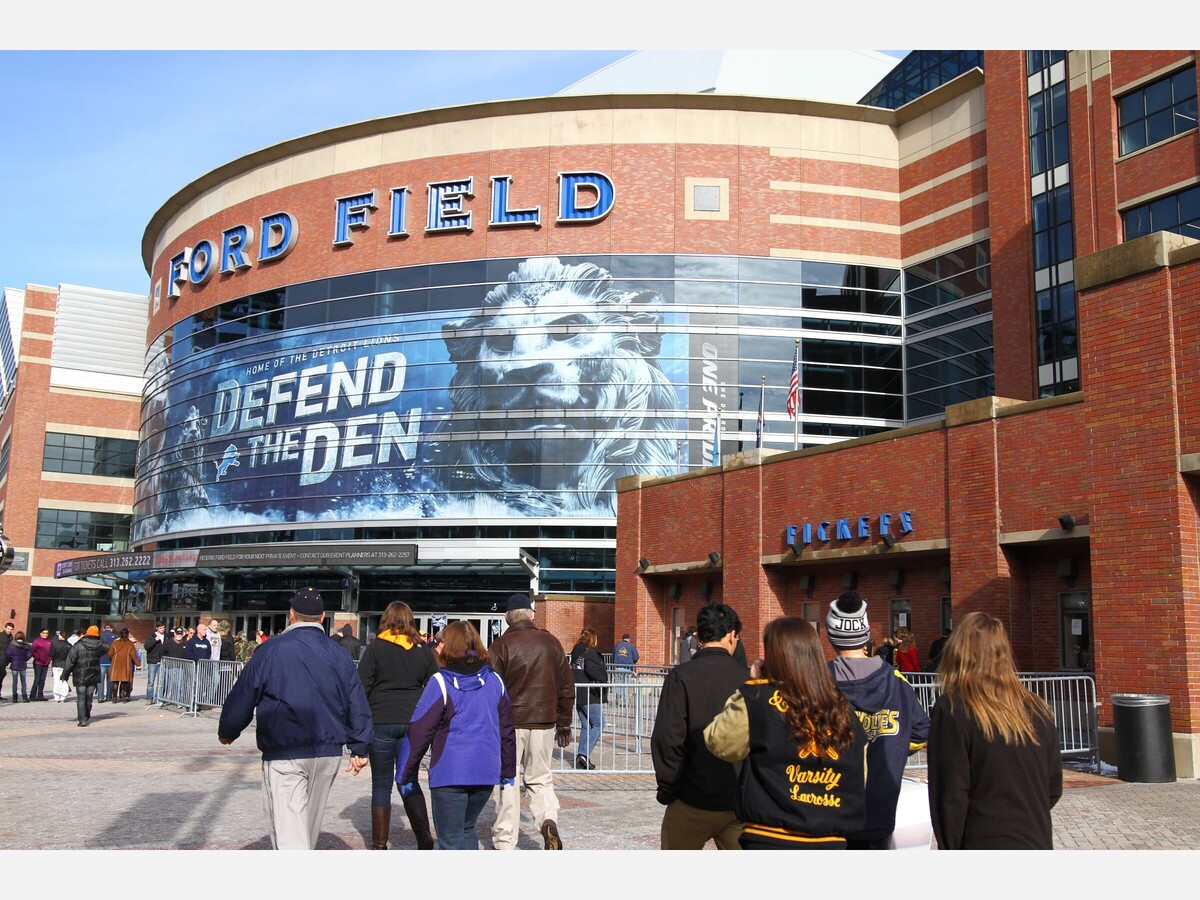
627 708
193 685
1072 699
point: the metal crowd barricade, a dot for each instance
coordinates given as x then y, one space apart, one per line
628 708
1072 699
177 685
194 685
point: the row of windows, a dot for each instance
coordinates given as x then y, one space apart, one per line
1036 60
83 454
1178 213
1160 110
82 530
919 73
496 532
1053 231
1049 139
420 290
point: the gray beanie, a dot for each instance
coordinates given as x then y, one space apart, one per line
847 625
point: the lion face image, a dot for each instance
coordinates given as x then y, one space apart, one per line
568 361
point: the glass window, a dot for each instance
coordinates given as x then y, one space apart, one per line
1178 213
1160 110
82 530
85 455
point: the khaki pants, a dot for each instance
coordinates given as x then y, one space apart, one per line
687 828
534 746
295 792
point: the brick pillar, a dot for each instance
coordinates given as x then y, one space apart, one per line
1144 544
981 575
746 585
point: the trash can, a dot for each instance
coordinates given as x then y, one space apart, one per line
1142 727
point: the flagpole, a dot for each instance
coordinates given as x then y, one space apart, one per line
762 413
796 417
716 454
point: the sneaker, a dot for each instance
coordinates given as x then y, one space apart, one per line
550 835
581 762
82 724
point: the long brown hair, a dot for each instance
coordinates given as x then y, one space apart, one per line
905 639
816 713
976 669
398 618
461 642
588 638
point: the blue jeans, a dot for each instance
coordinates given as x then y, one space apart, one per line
591 724
19 674
84 694
455 811
103 688
388 754
151 679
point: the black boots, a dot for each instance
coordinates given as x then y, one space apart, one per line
581 762
381 826
418 819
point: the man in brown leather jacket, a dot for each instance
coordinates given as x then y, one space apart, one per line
539 684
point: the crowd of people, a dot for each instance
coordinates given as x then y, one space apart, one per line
793 751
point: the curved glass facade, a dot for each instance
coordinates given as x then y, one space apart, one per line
498 389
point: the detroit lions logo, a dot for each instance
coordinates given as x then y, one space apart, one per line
570 356
227 461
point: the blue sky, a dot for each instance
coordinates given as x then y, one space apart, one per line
95 142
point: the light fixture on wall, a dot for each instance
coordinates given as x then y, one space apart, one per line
1067 522
807 583
850 581
644 563
714 557
889 541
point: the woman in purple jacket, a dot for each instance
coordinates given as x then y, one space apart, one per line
18 654
464 718
41 664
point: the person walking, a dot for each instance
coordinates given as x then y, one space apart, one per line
105 688
394 670
887 709
60 648
935 650
689 645
17 653
466 716
83 664
153 651
588 671
995 770
803 782
41 664
539 684
348 642
308 702
698 789
123 662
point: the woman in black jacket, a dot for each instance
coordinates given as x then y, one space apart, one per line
995 769
394 669
588 670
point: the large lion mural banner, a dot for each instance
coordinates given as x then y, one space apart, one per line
533 404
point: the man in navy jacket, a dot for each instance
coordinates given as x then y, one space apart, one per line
887 707
309 702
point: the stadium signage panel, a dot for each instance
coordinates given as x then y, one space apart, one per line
843 530
583 198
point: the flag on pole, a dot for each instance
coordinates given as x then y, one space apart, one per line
793 399
762 414
716 454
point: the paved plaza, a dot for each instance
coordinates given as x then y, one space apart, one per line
145 778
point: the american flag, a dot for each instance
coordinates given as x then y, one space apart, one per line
762 415
793 400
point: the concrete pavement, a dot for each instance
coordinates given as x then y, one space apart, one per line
162 782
